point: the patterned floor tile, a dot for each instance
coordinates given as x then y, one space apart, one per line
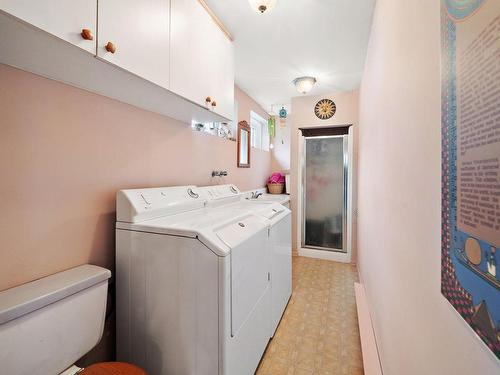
318 334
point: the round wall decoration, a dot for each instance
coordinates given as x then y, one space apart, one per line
282 112
325 109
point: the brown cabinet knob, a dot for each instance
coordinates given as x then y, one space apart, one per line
87 34
214 103
208 99
110 47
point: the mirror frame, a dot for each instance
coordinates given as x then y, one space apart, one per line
243 125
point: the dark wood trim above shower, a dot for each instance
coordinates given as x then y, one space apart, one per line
321 131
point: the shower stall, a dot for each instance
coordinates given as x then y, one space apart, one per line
326 191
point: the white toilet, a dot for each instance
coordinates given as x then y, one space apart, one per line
48 324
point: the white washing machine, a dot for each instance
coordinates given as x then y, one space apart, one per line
280 243
193 281
279 219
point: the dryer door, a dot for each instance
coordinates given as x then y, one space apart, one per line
250 268
281 269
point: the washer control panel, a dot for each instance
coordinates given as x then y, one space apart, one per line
135 205
220 191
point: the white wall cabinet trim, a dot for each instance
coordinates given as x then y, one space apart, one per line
139 72
48 56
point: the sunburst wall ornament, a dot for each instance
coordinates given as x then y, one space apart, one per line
325 109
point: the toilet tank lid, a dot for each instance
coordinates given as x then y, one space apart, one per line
25 298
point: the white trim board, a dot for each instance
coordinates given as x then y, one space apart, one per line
371 359
335 256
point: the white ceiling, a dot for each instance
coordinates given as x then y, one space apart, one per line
326 39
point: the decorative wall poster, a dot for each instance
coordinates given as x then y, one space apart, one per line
470 43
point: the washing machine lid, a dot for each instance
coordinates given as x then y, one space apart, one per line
235 232
203 224
267 210
274 211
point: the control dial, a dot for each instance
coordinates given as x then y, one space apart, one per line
192 194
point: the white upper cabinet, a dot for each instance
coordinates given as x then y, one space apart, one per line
62 18
167 56
134 35
201 58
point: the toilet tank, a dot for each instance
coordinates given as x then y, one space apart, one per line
48 324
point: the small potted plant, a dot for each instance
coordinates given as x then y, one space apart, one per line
276 183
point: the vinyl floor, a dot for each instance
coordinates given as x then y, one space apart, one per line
319 332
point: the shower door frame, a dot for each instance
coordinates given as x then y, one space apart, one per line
339 255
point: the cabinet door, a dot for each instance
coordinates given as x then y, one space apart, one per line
63 18
139 33
223 75
201 58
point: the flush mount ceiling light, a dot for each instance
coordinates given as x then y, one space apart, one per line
262 5
304 84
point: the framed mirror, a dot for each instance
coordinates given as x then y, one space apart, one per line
243 145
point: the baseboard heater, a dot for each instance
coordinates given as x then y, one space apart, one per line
371 358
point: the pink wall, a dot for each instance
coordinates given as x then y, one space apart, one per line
65 152
247 104
302 117
282 147
399 226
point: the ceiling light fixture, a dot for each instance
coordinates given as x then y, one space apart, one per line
262 5
304 84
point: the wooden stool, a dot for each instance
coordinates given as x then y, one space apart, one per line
112 368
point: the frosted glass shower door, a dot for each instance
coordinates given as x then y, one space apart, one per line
325 193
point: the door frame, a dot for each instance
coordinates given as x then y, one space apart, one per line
344 257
